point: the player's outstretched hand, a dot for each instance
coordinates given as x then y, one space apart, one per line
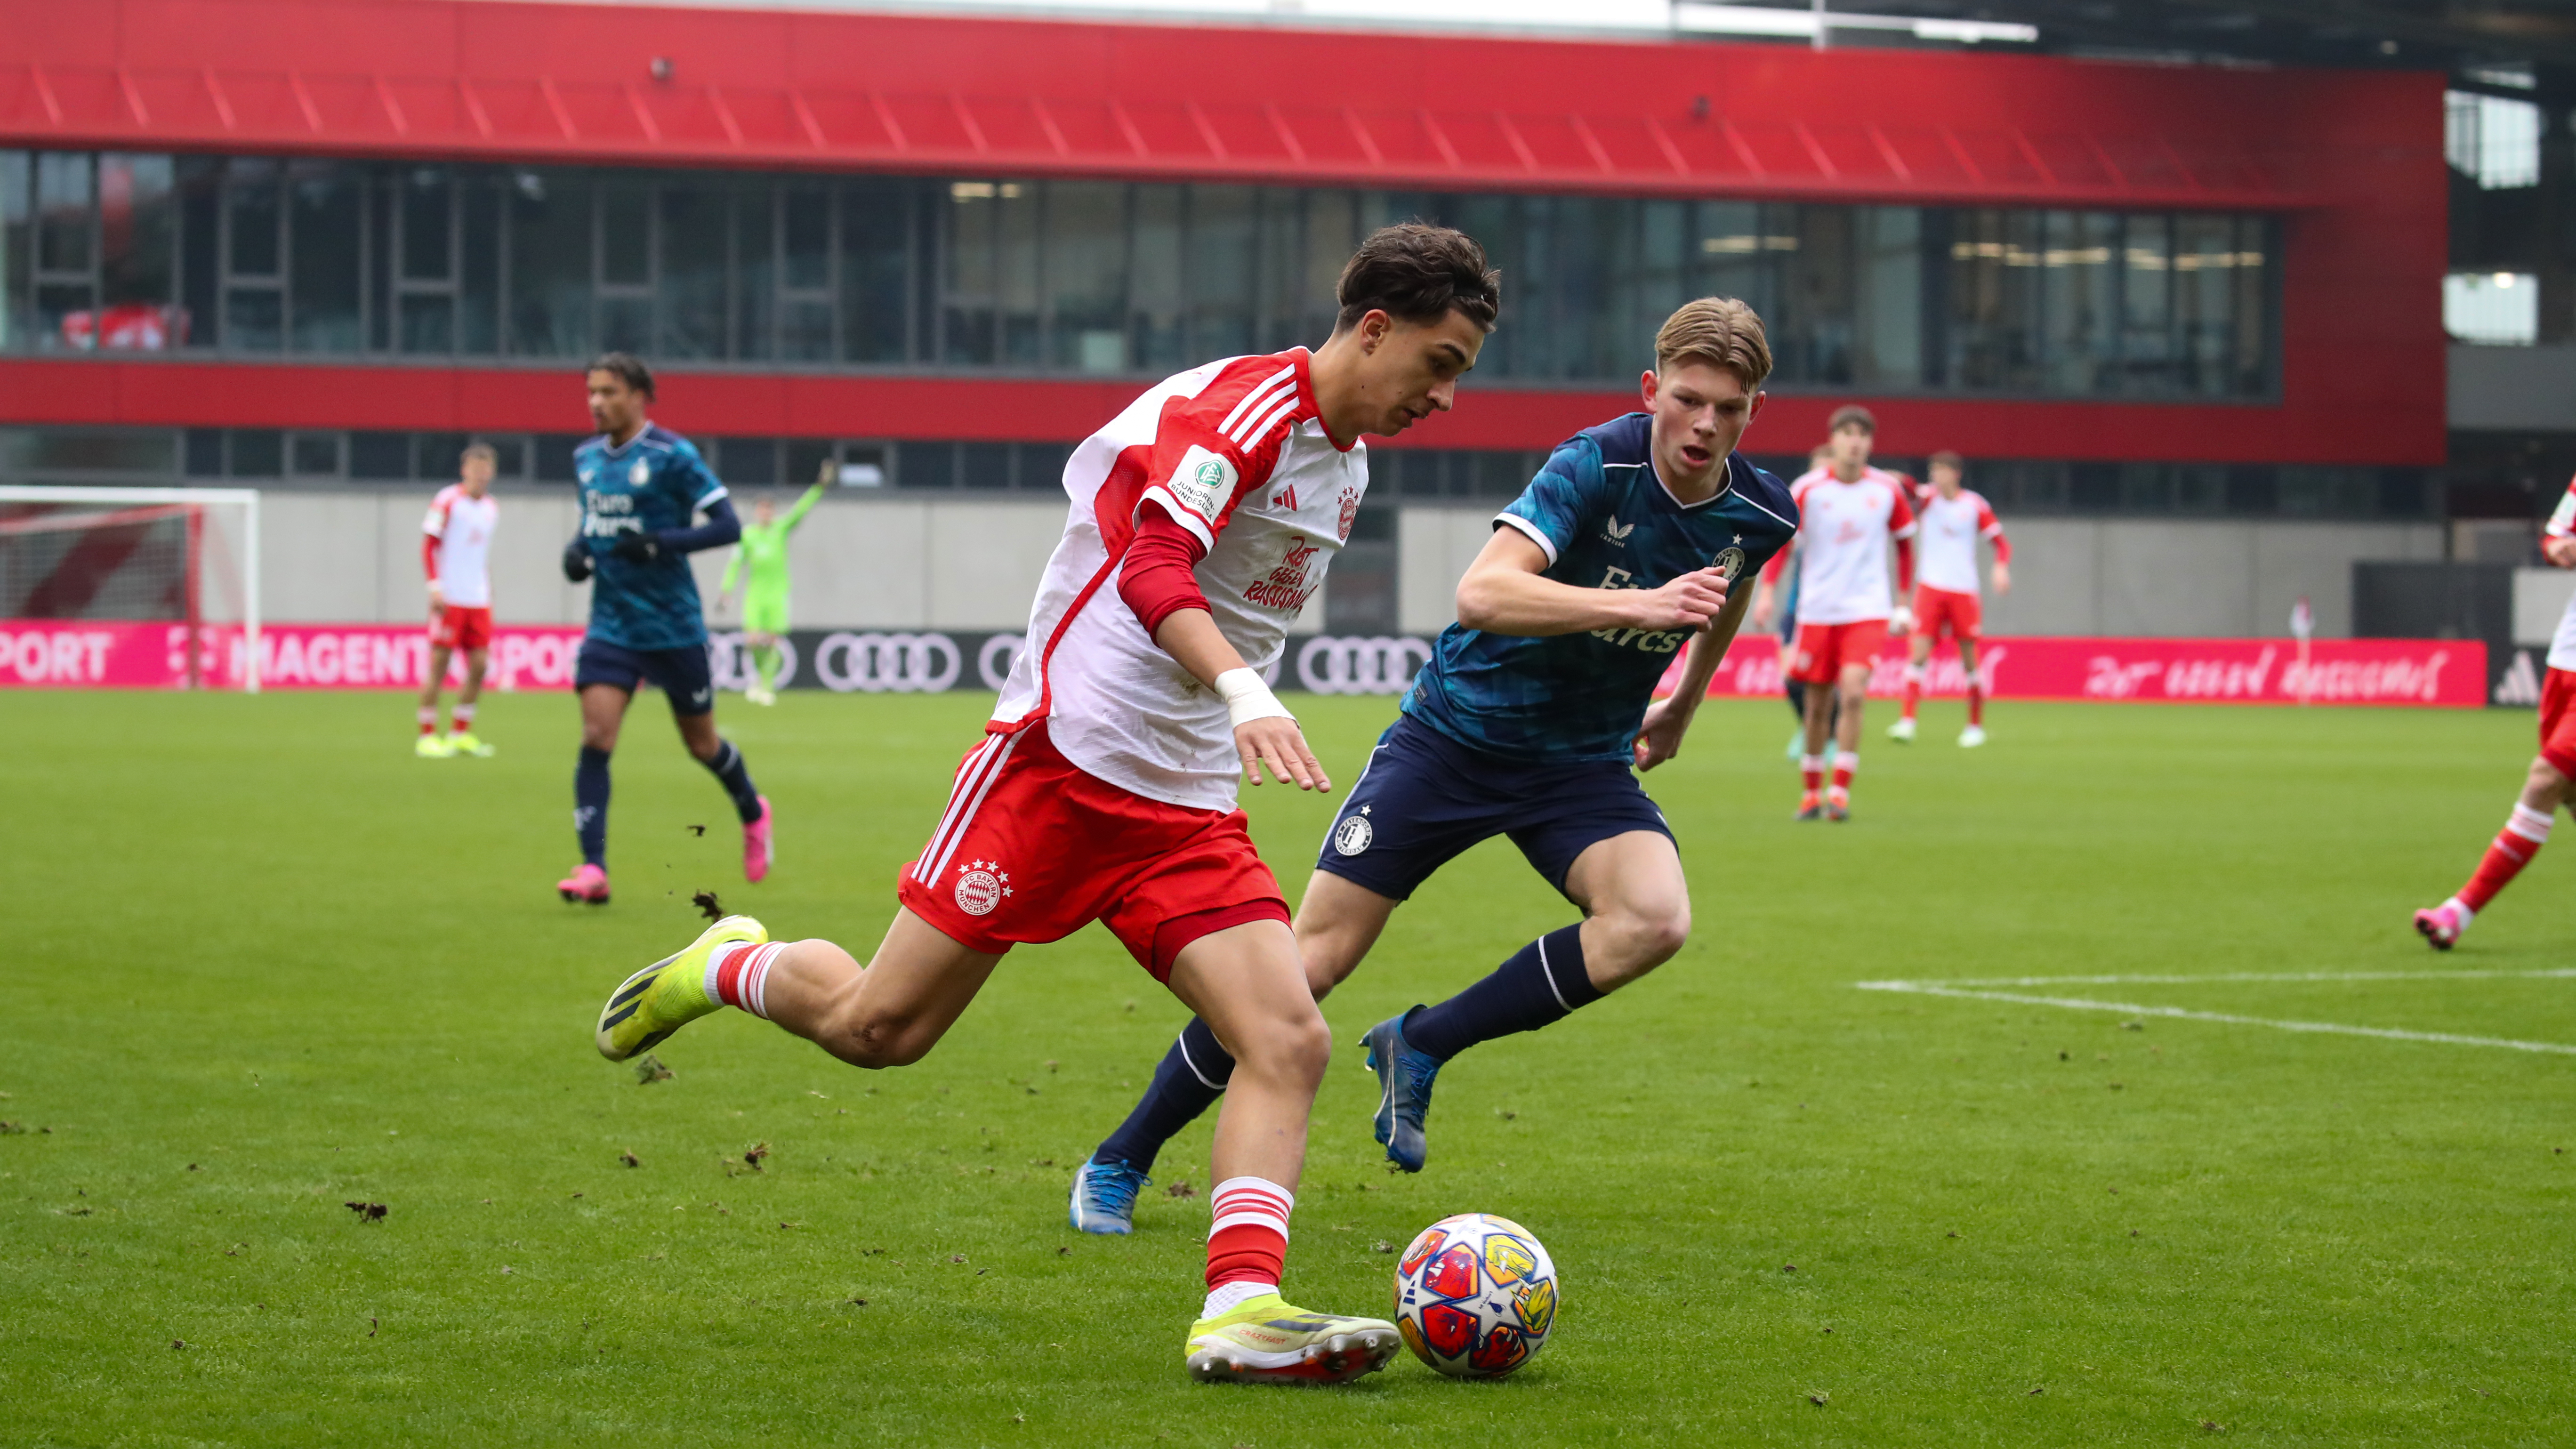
1277 743
1660 737
576 561
1688 602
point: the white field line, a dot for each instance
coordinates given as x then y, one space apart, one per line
1976 990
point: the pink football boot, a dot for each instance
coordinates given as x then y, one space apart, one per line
589 883
756 850
2441 926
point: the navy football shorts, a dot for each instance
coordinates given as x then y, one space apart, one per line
680 673
1425 798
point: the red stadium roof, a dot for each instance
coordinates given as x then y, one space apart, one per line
568 82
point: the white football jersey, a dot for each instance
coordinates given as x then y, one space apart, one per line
464 526
2562 524
1234 451
1843 533
1947 556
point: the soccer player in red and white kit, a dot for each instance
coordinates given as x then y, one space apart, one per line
1945 589
1847 516
456 550
2548 785
1105 786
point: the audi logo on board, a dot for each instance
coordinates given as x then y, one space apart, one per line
869 661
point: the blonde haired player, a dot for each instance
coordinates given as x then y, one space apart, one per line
456 550
1946 599
1104 789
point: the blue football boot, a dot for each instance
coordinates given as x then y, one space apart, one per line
1104 1197
1404 1091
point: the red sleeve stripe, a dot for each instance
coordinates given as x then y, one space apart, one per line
1238 424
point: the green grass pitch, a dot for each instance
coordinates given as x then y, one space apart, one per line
260 962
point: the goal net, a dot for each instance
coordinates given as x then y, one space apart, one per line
185 557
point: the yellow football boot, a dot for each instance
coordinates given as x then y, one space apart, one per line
1265 1341
669 994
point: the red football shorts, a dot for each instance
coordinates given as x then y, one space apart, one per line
1822 650
2558 721
1032 849
457 627
1936 610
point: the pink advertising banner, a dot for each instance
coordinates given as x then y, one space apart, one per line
2448 672
70 653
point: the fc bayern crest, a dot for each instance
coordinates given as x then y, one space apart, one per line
1353 835
981 885
1730 562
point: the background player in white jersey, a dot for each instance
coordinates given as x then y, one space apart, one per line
456 551
1203 518
2548 784
1846 518
1945 589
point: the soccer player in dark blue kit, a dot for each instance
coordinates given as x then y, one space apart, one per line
1529 722
641 485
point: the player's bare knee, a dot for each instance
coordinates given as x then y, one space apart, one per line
1293 1050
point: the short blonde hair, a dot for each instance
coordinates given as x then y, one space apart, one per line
1719 331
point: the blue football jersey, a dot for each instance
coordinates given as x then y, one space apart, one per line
1605 521
656 482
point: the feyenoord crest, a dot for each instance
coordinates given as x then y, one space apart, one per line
981 885
640 474
1729 561
1353 835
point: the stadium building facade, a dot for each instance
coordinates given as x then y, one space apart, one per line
314 247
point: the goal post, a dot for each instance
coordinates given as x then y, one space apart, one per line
188 556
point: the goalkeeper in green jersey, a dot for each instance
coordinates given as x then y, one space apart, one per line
760 563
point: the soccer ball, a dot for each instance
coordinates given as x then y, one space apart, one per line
1475 1296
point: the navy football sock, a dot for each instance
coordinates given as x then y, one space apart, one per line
1189 1079
1544 981
590 805
727 766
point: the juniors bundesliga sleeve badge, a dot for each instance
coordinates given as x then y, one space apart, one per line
1203 482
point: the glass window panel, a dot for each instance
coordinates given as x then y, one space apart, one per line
751 462
2204 301
626 324
693 269
1282 265
16 247
428 323
984 465
1520 351
428 245
1654 283
1888 311
325 204
876 269
1737 250
2146 305
478 298
806 238
1813 340
1017 269
137 221
805 331
1154 295
2078 299
1994 301
256 453
1332 234
382 202
552 460
969 272
251 218
380 455
200 182
1223 255
438 456
254 319
1041 465
549 264
805 460
64 193
756 280
205 449
626 234
2253 310
1086 275
313 455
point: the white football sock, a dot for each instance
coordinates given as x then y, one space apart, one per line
1226 1299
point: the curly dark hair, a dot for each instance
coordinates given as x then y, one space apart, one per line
1419 273
627 368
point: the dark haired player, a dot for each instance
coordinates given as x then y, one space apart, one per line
1203 517
1525 723
641 484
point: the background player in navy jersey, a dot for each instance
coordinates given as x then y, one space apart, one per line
1526 722
641 485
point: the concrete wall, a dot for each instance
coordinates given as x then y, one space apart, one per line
2539 601
2124 577
2517 389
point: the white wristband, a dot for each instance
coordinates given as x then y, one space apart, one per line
1248 699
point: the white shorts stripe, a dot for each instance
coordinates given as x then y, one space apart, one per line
1001 761
985 758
